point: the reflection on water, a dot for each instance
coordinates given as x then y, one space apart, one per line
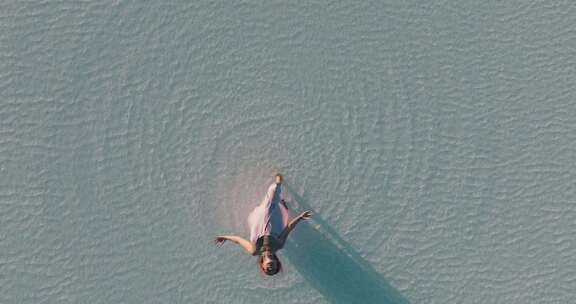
333 267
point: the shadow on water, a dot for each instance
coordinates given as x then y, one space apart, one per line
332 266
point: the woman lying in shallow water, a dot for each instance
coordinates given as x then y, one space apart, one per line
269 229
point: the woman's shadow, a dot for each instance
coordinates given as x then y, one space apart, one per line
333 267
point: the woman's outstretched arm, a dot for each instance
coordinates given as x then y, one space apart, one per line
249 247
284 235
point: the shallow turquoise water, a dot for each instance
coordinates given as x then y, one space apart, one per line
435 143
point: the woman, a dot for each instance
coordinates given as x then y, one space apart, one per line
269 229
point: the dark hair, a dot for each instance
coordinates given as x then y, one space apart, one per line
275 258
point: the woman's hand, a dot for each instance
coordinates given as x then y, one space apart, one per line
219 240
249 247
306 215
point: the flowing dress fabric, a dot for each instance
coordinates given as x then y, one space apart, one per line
270 217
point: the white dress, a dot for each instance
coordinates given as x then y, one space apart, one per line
270 217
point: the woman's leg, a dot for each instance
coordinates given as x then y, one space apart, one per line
272 196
